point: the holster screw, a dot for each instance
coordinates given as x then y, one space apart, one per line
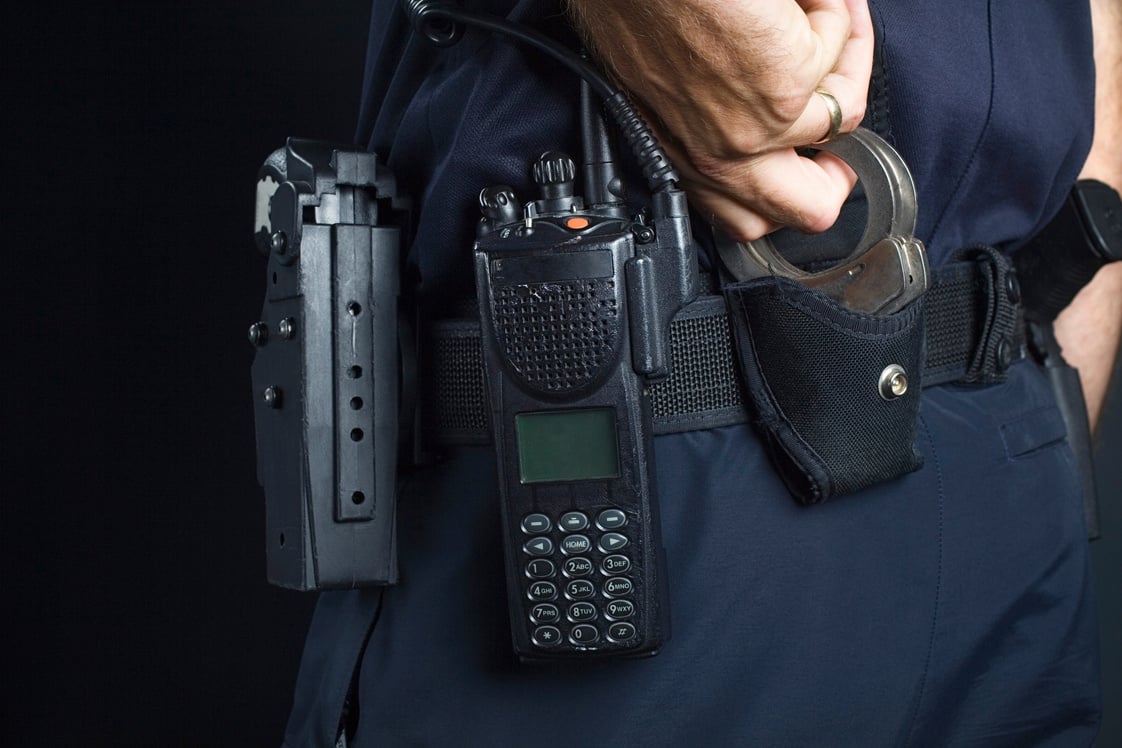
279 242
272 396
258 334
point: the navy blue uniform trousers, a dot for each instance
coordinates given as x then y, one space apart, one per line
952 606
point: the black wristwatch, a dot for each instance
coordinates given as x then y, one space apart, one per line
1085 235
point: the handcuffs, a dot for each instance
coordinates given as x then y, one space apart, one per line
887 269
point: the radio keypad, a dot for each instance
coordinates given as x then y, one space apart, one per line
538 546
611 519
593 557
548 636
542 591
577 567
580 589
620 631
540 568
617 586
573 521
575 545
535 524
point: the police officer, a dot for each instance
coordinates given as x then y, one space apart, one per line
949 606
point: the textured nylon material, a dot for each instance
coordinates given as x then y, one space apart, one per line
705 376
703 389
812 370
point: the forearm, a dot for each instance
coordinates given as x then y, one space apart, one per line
1090 328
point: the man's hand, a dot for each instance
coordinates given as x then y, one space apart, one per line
729 86
1090 328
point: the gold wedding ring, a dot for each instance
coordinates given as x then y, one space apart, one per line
835 115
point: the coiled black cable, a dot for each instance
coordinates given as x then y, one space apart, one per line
442 23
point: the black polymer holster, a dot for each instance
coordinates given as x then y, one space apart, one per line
325 376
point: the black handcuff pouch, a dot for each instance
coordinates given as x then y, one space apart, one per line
833 393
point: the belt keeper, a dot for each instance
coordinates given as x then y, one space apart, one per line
999 300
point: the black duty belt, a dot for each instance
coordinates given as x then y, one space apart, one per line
974 333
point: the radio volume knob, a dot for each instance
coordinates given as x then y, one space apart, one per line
555 174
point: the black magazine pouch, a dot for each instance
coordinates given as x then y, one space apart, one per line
833 393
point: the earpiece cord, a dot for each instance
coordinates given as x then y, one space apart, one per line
443 24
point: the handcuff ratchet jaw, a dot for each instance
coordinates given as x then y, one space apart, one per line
888 268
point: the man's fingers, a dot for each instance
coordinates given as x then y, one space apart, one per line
849 80
780 189
829 21
846 80
732 217
856 60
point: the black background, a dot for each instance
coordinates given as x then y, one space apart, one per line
133 583
134 529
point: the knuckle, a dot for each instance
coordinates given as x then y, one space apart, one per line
810 215
715 169
817 217
729 139
747 231
784 109
854 113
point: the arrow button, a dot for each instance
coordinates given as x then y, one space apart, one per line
538 547
612 541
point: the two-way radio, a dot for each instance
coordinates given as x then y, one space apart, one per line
575 300
565 292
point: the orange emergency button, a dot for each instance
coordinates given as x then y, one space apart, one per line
576 223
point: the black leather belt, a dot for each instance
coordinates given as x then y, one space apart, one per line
973 328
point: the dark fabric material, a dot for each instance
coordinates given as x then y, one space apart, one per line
338 633
812 371
453 121
960 78
949 607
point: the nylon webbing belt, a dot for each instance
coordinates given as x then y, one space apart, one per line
973 334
